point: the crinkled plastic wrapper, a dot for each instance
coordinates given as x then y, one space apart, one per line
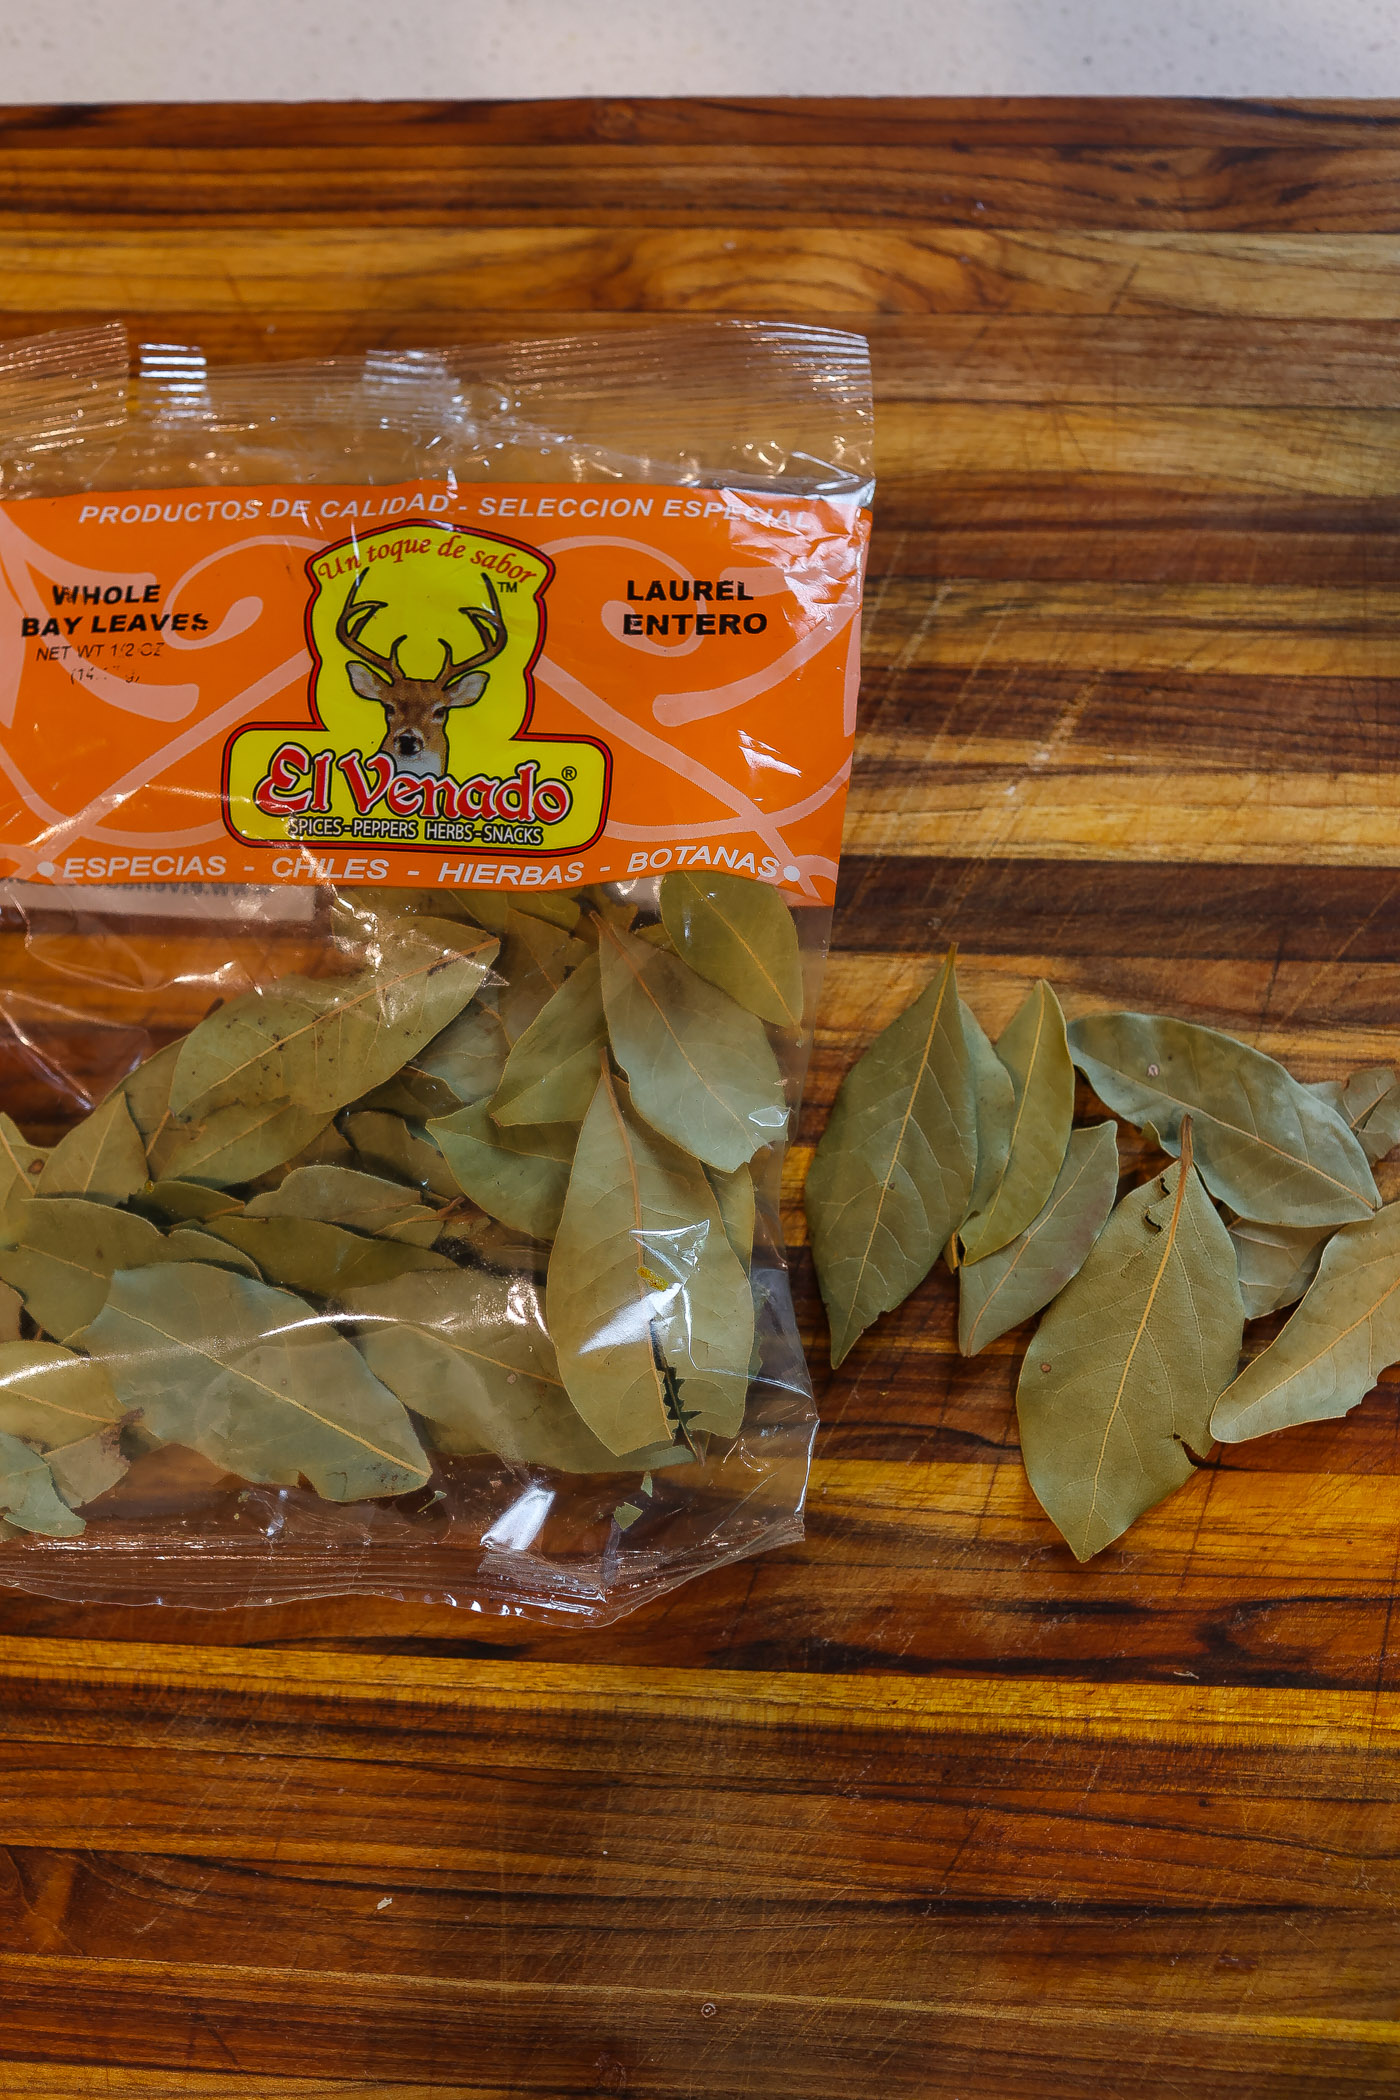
422 786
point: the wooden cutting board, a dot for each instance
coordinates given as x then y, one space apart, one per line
919 1807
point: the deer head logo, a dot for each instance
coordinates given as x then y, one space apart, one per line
416 709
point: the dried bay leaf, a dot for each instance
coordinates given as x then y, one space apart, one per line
1118 1385
21 1164
103 1158
469 1353
1356 1096
412 1093
1034 1050
146 1092
388 1145
187 1200
1276 1263
188 1243
234 1144
518 1176
346 1196
255 1381
11 1309
892 1174
65 1253
1264 1144
552 1070
739 935
51 1397
995 1112
318 1043
84 1470
735 1201
28 1498
644 1288
306 1255
536 957
700 1067
998 1292
1334 1347
466 1059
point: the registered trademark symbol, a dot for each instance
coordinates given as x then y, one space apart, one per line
571 772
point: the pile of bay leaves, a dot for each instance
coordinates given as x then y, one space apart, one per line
486 1187
940 1143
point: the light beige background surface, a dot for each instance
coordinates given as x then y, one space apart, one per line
110 50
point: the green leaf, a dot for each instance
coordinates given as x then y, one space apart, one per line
1118 1385
1368 1103
50 1397
1020 1279
643 1285
146 1092
551 1073
1264 1144
345 1196
254 1380
1035 1053
318 1043
1276 1263
21 1164
28 1497
469 1353
306 1255
1335 1346
892 1174
518 1176
188 1243
235 1144
701 1069
83 1470
188 1200
467 1059
995 1110
102 1159
65 1253
739 935
387 1145
412 1093
536 957
734 1199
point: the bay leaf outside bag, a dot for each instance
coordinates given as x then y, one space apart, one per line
422 782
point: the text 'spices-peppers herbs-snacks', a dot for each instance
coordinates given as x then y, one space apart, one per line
421 785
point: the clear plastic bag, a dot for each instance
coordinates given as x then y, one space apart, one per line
460 1311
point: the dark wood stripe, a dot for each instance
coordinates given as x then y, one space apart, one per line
1119 910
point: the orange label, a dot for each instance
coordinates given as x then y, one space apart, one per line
524 686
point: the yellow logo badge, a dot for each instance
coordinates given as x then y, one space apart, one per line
423 641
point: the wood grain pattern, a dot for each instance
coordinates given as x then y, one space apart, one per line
915 1806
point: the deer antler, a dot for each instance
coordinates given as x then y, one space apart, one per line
490 632
355 616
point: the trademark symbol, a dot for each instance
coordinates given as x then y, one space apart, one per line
571 772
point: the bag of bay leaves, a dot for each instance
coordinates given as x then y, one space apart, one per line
423 780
